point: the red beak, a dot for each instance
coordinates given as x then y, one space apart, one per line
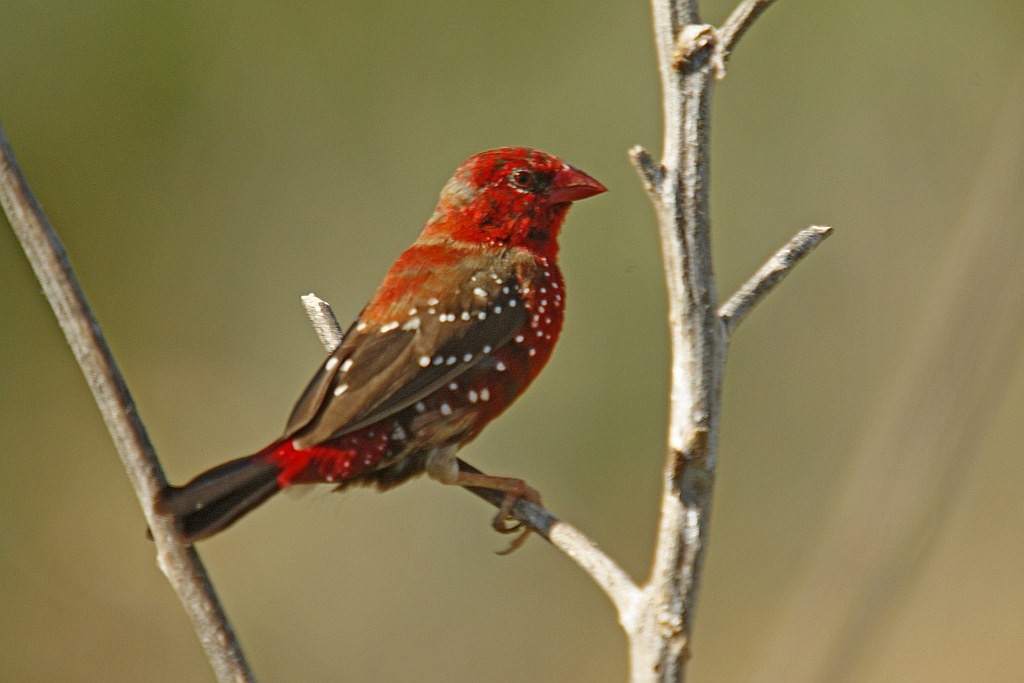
570 185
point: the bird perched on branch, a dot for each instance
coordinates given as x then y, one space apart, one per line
462 323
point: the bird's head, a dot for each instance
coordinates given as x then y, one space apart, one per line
511 196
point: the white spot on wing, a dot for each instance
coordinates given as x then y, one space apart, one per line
340 389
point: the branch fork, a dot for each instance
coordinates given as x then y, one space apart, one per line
695 38
691 56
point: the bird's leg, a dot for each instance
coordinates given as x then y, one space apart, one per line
443 466
514 489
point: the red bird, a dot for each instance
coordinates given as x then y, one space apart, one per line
463 322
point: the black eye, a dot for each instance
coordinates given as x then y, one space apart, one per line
523 179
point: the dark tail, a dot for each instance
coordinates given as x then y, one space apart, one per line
220 496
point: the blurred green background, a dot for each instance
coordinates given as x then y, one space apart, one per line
207 163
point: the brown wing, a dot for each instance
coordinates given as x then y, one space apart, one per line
380 368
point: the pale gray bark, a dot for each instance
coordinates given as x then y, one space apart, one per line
180 564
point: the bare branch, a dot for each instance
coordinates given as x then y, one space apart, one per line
180 564
659 638
616 584
651 173
769 275
325 323
736 25
690 56
609 577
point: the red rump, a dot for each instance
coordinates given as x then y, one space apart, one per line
462 323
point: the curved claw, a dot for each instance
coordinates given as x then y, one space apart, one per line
500 523
516 542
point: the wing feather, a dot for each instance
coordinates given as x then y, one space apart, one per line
387 363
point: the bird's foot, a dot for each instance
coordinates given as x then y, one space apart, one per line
514 490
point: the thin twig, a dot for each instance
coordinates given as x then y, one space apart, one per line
609 576
733 311
180 564
737 24
325 323
651 172
624 594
